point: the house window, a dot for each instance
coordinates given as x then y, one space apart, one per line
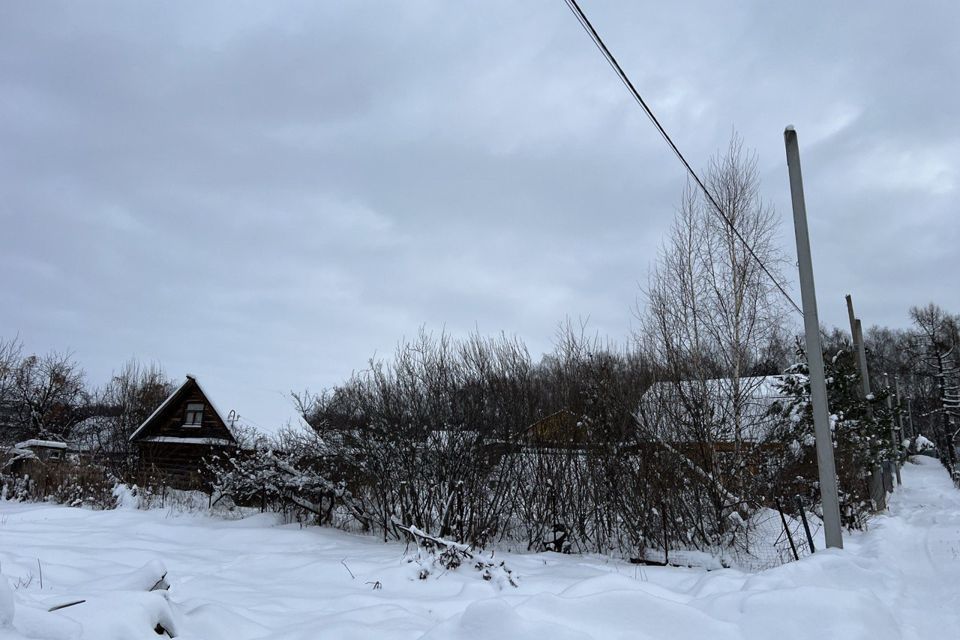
194 417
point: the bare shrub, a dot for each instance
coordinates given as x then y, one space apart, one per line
63 483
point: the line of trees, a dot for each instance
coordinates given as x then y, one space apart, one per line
591 448
48 397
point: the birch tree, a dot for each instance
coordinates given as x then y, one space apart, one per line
712 311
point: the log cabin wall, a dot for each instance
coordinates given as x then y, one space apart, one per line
178 465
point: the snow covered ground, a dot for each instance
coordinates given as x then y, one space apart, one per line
252 578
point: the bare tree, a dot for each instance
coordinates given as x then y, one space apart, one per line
712 314
938 336
10 356
743 308
49 395
123 404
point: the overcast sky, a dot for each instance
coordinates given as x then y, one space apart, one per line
266 194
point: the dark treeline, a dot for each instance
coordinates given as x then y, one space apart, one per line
588 447
583 449
455 436
48 397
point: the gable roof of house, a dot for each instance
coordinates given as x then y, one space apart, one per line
171 398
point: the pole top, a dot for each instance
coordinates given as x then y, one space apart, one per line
789 138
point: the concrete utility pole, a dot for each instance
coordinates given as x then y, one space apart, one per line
861 360
811 324
878 492
886 479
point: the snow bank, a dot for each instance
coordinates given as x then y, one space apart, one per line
253 578
125 497
924 444
497 620
6 602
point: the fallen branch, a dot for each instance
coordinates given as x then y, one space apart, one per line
422 538
450 555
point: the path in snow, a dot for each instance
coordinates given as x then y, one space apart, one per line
250 579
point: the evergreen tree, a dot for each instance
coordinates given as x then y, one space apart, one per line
861 429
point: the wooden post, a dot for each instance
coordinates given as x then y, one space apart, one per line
786 530
806 525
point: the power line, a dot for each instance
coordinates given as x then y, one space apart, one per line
612 61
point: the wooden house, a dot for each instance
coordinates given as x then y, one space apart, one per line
177 438
27 457
559 430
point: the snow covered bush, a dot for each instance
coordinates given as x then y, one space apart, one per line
440 438
435 554
472 441
422 439
63 483
920 444
17 488
272 480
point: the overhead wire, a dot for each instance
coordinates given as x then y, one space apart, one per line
612 61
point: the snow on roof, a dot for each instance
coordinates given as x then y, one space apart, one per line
34 442
180 440
15 454
213 406
756 387
759 394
